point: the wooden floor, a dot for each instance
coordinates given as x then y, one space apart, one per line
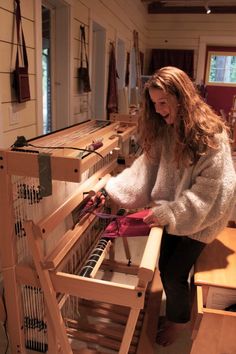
181 346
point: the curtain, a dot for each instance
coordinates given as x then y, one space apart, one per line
182 59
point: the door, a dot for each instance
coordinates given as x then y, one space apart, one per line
54 65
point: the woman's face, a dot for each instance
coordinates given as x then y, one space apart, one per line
165 104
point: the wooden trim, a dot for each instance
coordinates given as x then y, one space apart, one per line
99 290
155 7
129 330
149 259
151 316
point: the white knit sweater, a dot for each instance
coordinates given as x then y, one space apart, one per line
196 201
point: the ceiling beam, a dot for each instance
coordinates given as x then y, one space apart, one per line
156 8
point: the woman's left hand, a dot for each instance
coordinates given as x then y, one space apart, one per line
151 219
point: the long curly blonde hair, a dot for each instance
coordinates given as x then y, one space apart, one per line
195 125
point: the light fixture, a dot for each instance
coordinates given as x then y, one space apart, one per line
208 10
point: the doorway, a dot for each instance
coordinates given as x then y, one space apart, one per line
47 54
54 65
98 99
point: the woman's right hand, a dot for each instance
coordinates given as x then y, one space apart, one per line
151 219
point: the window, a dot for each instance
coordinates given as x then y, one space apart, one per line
221 68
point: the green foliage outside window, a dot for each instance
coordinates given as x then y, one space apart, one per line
222 69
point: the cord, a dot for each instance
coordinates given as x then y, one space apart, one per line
21 142
5 322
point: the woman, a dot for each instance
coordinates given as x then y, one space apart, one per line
187 175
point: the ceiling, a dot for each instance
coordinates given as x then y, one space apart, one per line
190 6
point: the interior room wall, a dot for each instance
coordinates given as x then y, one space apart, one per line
17 119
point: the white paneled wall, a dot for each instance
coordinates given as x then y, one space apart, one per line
24 121
119 19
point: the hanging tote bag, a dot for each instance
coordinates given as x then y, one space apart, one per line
20 74
83 72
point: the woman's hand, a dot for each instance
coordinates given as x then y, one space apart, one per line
98 199
151 219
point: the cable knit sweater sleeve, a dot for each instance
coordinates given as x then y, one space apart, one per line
207 201
132 187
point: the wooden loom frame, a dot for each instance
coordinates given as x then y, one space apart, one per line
53 281
63 168
27 164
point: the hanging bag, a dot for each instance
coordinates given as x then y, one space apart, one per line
20 74
83 72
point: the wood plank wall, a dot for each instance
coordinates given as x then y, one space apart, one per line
26 115
119 19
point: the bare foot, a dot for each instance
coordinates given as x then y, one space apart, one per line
168 334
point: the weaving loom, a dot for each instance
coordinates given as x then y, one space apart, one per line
52 306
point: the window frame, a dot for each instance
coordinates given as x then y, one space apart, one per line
210 53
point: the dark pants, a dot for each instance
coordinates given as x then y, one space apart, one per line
177 256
